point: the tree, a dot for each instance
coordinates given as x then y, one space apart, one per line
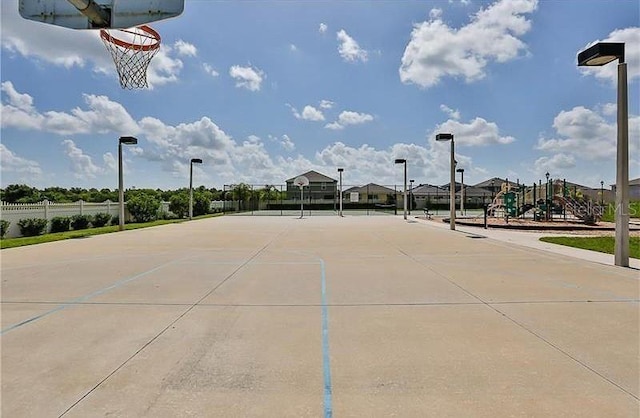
143 207
179 204
21 193
201 202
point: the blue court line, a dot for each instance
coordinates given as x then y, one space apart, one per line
326 365
84 298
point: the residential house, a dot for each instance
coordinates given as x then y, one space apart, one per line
370 193
320 187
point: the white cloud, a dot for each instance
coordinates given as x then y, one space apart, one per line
11 162
210 70
590 134
631 38
326 104
349 49
323 28
81 164
455 114
293 48
349 118
247 77
477 132
185 49
557 163
103 115
287 143
311 113
437 50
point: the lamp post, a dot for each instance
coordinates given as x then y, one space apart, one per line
193 161
410 195
404 195
340 170
600 54
461 171
452 181
601 193
127 140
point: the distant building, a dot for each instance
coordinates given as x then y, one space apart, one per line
371 193
634 189
320 187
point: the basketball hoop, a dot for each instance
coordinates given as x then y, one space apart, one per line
132 50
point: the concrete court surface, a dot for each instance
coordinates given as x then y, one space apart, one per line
317 317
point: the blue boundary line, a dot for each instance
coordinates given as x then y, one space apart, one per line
84 298
326 360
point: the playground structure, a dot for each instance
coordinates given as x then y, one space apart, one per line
541 202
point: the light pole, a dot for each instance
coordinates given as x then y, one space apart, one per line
461 171
546 196
340 170
601 193
193 161
452 181
404 199
127 140
411 195
600 54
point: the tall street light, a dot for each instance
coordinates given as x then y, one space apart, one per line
600 54
461 171
340 170
193 161
411 195
452 181
403 161
601 193
127 140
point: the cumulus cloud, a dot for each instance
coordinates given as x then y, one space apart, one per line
437 50
185 48
308 113
348 117
323 28
349 49
10 162
102 116
326 104
454 114
210 70
477 132
631 38
82 165
247 77
589 134
557 163
287 143
293 48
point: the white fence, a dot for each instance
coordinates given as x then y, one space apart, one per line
13 212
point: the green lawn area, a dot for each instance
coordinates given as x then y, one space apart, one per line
57 236
601 244
609 214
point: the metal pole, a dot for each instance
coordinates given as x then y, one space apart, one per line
622 172
410 196
191 190
120 190
341 193
462 194
452 190
301 202
405 190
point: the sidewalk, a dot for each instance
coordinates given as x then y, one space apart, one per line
532 240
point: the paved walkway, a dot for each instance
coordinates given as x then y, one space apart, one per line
314 317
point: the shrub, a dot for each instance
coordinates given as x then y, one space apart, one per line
60 224
115 220
100 219
80 222
143 207
4 227
179 204
30 227
201 203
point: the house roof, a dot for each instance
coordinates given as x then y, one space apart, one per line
370 188
427 189
314 177
634 182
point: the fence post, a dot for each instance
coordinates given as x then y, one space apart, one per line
46 209
81 207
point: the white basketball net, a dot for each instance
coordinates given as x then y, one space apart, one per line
132 51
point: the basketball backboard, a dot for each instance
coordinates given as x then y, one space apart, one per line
99 14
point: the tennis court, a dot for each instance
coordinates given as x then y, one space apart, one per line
361 316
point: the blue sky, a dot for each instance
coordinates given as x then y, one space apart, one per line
265 90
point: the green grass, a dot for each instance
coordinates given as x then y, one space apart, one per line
609 214
601 244
58 236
